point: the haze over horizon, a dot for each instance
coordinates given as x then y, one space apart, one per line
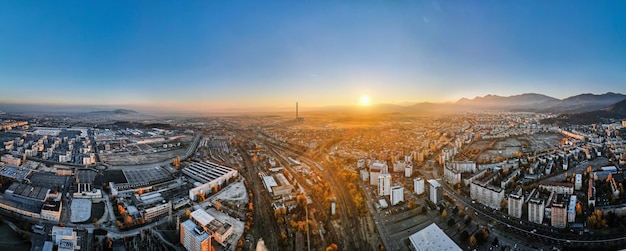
221 56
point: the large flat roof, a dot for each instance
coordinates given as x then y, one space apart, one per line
202 217
432 238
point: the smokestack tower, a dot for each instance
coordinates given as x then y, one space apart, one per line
296 110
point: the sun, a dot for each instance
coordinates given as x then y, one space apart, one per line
365 100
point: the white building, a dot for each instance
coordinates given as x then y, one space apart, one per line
571 209
557 187
536 210
399 166
451 176
515 203
397 195
193 237
408 171
418 185
432 238
65 238
435 191
487 194
208 173
219 231
578 182
384 184
161 209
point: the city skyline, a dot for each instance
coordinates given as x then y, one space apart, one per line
216 56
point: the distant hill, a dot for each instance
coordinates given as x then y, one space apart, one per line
614 111
542 103
618 108
117 111
526 99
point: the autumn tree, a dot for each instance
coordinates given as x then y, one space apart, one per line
121 209
218 205
596 220
444 214
473 241
332 247
128 220
140 191
579 209
201 197
176 161
301 226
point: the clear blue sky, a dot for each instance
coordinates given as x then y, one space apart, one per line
241 54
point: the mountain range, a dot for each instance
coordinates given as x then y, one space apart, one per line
542 103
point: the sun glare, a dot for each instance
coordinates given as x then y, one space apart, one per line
365 100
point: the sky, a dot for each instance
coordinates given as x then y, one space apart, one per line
221 55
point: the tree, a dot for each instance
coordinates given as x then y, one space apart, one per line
504 204
201 197
251 206
218 205
579 209
472 241
595 220
444 214
332 247
301 226
128 219
121 209
140 191
451 222
176 161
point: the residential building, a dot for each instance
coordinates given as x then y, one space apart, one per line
384 184
578 182
536 210
218 230
557 187
193 237
397 195
515 203
484 192
418 185
559 212
571 209
435 191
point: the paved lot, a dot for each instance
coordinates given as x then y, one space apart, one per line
81 210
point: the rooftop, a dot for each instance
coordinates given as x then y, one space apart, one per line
202 217
432 238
